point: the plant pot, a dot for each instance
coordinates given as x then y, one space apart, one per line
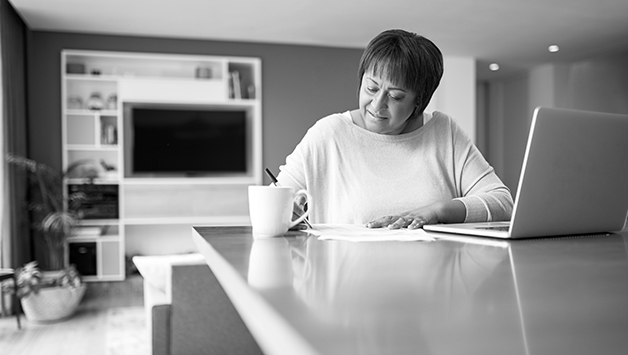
52 304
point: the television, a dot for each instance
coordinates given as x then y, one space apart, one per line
184 140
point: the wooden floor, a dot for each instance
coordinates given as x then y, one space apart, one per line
83 333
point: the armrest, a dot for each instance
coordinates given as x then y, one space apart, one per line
160 329
203 319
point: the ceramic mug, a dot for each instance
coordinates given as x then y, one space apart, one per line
270 209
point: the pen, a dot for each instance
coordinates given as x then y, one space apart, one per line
271 176
276 183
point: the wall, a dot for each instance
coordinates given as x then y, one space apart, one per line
596 84
300 84
456 94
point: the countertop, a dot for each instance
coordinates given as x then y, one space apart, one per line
300 295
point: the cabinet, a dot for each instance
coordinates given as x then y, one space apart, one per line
96 86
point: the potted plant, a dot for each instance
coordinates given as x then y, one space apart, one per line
56 292
47 295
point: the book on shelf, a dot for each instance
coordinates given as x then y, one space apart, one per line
235 85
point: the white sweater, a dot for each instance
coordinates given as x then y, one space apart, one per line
356 176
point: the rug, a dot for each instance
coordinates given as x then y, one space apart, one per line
126 332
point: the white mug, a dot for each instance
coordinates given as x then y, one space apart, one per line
270 209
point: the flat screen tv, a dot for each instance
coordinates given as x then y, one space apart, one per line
181 140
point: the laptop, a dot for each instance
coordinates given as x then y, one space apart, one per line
574 179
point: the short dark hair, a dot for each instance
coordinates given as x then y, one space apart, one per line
406 59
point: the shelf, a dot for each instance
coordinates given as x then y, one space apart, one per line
121 80
89 278
100 222
96 181
86 112
90 77
115 79
85 238
122 65
113 147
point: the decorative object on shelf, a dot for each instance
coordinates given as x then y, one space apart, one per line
250 91
85 169
101 202
108 167
53 224
112 102
47 296
75 103
203 73
95 72
75 68
95 102
109 134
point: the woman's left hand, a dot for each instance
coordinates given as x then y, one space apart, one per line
409 221
446 212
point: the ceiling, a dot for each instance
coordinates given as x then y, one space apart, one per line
513 33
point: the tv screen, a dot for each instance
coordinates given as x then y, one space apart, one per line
184 140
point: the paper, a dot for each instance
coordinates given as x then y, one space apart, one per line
359 233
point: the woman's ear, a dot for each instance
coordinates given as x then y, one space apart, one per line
417 111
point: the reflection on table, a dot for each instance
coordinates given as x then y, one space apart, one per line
530 297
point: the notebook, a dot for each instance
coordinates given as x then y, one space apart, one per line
574 179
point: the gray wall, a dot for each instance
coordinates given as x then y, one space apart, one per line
598 83
300 84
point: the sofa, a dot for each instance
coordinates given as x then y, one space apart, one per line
187 311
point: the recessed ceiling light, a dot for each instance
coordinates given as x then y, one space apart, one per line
553 48
493 66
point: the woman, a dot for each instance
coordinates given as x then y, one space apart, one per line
388 163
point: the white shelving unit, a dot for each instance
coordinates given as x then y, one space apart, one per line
93 131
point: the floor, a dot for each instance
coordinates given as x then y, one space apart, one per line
83 333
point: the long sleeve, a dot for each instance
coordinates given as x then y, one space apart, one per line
356 176
484 195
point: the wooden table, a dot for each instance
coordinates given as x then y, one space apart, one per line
299 295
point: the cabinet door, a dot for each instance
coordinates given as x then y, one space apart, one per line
111 258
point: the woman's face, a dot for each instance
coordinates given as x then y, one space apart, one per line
385 107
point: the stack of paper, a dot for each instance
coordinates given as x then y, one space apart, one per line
359 233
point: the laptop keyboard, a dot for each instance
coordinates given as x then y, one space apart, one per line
496 228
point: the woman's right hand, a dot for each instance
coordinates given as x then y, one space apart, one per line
298 208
